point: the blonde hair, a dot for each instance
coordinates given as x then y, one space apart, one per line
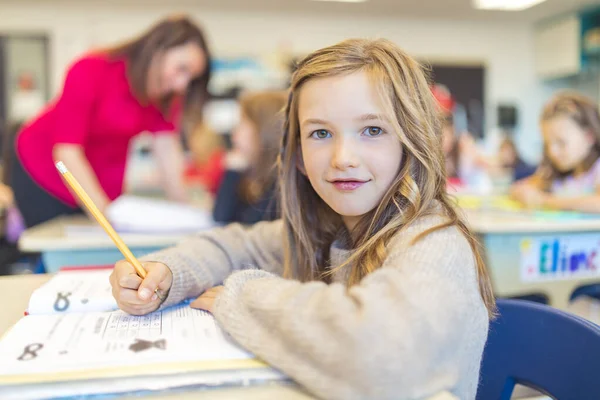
311 226
203 142
584 112
265 111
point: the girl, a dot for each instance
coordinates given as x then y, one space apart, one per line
205 166
450 146
509 159
109 97
465 165
371 285
247 192
569 175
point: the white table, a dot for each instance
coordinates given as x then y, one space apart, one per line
524 252
79 241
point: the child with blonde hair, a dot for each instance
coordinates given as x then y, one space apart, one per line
206 164
248 193
371 285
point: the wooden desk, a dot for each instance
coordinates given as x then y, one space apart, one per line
15 291
78 241
537 252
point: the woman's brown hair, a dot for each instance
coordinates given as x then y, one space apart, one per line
419 189
166 34
265 111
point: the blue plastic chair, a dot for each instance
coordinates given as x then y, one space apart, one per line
592 291
551 351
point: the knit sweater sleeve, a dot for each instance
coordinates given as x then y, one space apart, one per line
207 258
404 332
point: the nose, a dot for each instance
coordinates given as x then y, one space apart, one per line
554 151
345 153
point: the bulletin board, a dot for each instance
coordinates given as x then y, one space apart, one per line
466 83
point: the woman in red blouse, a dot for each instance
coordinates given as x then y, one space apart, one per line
108 98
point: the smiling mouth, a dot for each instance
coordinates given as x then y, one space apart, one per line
347 185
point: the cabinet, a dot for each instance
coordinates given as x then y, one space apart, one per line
568 45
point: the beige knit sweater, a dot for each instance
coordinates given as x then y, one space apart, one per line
413 328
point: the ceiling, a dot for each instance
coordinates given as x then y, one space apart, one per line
444 9
438 9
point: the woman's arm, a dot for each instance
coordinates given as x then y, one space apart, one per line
171 162
73 116
73 156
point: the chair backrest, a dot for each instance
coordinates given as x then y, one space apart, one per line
543 348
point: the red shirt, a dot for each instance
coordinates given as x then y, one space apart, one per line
97 110
210 174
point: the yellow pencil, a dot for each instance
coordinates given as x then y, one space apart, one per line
89 204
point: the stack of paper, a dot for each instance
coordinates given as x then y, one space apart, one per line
67 346
147 215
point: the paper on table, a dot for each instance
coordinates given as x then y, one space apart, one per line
74 353
77 230
137 384
45 348
74 291
146 215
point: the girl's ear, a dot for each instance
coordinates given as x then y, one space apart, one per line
300 161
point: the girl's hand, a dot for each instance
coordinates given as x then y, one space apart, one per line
206 301
134 295
528 195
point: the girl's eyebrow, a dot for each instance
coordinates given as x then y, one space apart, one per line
372 117
314 121
362 118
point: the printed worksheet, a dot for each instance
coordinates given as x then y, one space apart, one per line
55 343
74 291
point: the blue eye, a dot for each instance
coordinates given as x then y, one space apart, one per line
373 131
320 134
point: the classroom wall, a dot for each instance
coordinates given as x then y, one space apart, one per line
506 49
25 54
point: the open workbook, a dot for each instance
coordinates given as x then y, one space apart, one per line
67 350
74 290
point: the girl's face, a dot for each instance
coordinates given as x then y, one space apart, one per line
567 144
245 138
350 152
173 71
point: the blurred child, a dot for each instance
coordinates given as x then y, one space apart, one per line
247 193
465 165
569 176
451 149
206 166
372 285
510 159
13 221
